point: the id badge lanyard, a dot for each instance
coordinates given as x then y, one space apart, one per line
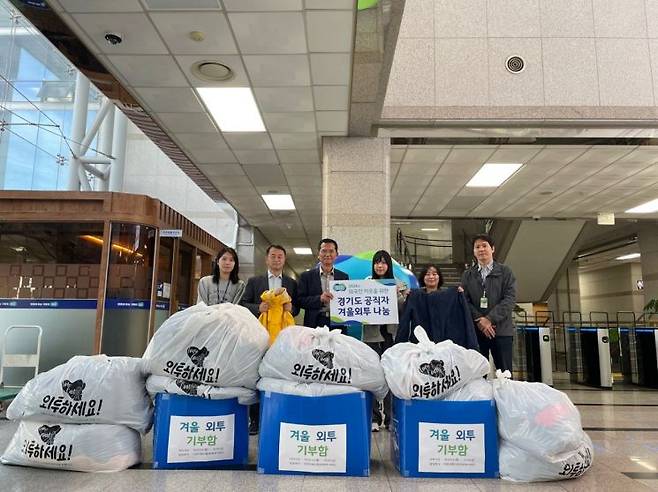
484 302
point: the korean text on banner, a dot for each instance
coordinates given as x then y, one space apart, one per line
370 302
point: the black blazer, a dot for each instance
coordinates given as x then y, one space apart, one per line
259 284
310 290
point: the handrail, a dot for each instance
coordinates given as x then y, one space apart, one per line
403 243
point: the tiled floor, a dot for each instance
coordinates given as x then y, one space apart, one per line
625 460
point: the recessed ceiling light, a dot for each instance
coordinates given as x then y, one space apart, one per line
279 202
645 208
492 175
428 229
628 256
233 108
303 251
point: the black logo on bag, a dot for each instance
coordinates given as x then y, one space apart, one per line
48 433
197 355
74 389
324 358
434 368
188 387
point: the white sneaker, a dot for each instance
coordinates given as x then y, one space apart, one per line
375 427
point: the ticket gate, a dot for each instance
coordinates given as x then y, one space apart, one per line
534 353
646 356
589 356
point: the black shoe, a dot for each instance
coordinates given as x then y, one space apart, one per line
253 428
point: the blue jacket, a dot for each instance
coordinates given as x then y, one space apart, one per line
444 315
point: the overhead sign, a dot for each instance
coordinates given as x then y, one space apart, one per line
171 232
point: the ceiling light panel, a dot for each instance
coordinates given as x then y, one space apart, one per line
233 108
492 175
279 202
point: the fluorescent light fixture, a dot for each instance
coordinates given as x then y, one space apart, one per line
303 251
645 208
429 229
492 175
279 202
233 108
628 257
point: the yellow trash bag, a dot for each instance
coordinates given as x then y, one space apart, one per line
276 318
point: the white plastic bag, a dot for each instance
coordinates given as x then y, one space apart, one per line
76 447
317 355
304 389
476 390
536 417
428 370
88 390
162 384
220 345
518 465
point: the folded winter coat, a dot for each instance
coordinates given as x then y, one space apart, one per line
75 447
162 384
317 355
444 315
220 345
88 390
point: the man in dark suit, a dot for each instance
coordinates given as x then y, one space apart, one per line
313 295
275 260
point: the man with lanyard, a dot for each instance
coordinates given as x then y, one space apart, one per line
490 290
275 260
313 294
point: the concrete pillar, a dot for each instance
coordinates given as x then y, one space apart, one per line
356 201
648 242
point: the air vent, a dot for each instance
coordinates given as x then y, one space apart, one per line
515 64
212 71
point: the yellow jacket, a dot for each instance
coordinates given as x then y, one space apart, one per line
276 318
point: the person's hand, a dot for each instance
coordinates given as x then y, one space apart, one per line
263 307
460 288
326 297
486 327
287 307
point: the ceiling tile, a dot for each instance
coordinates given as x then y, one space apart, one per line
295 140
176 100
201 141
332 121
149 71
424 169
256 156
248 141
100 6
221 169
187 122
299 156
278 70
329 31
425 155
296 180
233 181
330 68
331 97
139 35
269 32
175 29
333 4
234 62
262 5
273 99
308 169
397 154
266 175
202 156
182 4
289 122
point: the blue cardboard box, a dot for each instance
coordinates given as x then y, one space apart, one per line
192 432
450 439
326 435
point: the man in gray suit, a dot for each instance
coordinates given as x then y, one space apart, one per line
275 260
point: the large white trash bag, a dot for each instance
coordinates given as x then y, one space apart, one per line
220 345
477 390
93 389
304 389
428 370
521 466
317 355
162 384
76 447
536 417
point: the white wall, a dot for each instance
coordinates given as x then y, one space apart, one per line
149 171
611 290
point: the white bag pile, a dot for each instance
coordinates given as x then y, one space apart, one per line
318 358
207 351
541 436
434 371
83 416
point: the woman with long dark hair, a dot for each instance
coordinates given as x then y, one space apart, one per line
224 285
380 337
